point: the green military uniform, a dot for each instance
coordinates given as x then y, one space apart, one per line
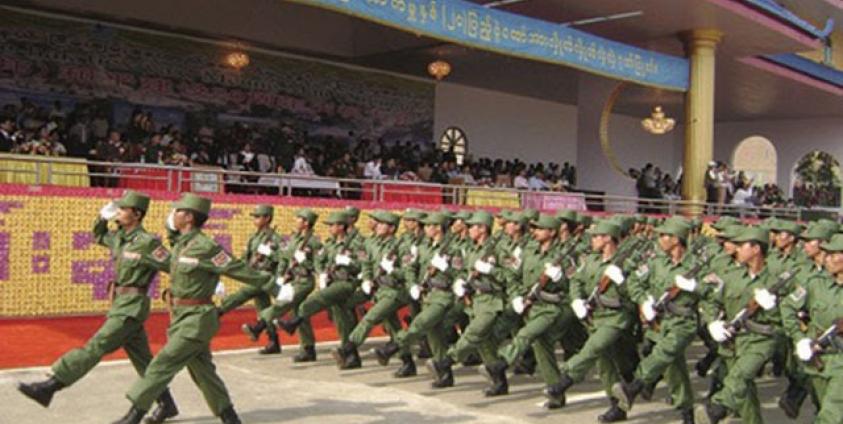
381 269
675 328
753 346
549 318
821 296
295 268
196 265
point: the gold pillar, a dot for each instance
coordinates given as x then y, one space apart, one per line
700 47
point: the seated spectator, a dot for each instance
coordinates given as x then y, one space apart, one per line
537 183
520 182
373 170
301 166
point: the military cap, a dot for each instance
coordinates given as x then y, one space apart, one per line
567 215
530 214
437 218
783 225
547 222
724 222
413 215
336 217
263 210
606 227
584 219
652 220
818 231
730 231
830 223
310 216
385 217
352 212
194 203
673 228
756 234
462 215
834 245
480 218
133 199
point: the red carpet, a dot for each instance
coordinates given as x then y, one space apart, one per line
34 342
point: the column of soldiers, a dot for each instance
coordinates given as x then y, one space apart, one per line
625 296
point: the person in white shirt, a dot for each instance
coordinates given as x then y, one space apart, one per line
373 169
537 183
301 166
520 182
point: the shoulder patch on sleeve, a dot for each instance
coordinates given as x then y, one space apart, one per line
798 294
160 254
221 259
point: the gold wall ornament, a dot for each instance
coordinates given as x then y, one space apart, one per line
237 60
658 123
439 69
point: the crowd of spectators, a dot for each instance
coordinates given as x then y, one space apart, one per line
87 132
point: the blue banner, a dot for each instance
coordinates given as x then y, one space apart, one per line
466 23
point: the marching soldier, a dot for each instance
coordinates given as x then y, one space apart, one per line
743 311
665 291
138 256
294 282
198 261
597 290
819 344
260 254
336 265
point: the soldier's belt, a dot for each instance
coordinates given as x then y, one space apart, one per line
339 274
387 281
184 301
129 290
762 329
301 272
439 283
483 286
608 302
548 297
681 311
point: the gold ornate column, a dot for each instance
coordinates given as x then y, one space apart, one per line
700 47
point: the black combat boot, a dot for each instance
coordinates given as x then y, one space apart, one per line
472 359
613 414
710 413
166 409
408 366
496 374
42 391
228 416
526 365
341 353
792 399
254 331
424 350
626 393
306 354
290 326
555 394
705 363
442 373
687 415
385 352
273 346
134 416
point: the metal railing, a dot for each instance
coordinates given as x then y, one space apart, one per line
51 170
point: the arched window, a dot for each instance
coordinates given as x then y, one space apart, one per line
453 139
756 157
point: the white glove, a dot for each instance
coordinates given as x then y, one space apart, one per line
171 221
518 305
387 265
580 308
554 272
686 284
367 287
220 290
482 266
342 259
286 294
323 281
766 299
280 281
459 287
300 256
805 349
414 251
615 274
265 249
517 253
648 309
109 211
439 262
718 331
516 262
415 292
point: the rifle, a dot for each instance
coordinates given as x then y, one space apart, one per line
391 256
825 340
431 270
533 295
469 283
332 268
288 273
745 314
604 283
674 290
